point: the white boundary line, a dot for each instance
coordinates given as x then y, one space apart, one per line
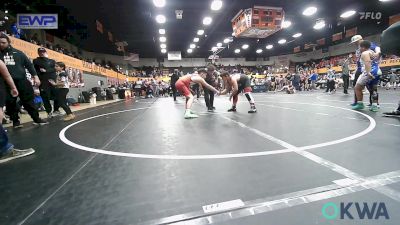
79 169
216 156
265 205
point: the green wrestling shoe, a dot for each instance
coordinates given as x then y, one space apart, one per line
358 106
190 115
374 108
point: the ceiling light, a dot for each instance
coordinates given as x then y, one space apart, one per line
269 47
245 46
282 41
227 40
163 39
297 35
259 51
348 14
161 31
310 11
286 24
190 50
192 46
237 51
196 39
163 50
319 24
160 19
200 32
207 20
216 5
214 49
163 46
6 17
6 11
385 0
219 44
159 3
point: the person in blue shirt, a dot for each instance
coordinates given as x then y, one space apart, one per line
376 72
313 78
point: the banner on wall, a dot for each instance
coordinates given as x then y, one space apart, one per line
351 32
383 63
393 19
75 77
31 51
321 41
132 57
337 36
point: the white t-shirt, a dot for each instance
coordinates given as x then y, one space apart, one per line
63 77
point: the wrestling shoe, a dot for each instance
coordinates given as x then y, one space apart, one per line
233 109
374 108
40 122
358 106
17 124
69 117
190 115
15 154
253 110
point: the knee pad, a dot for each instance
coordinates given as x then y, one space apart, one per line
249 97
375 95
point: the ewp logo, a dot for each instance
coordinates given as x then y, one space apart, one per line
364 211
37 21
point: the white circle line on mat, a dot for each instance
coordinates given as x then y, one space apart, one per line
63 138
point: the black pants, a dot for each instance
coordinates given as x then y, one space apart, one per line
346 83
61 97
196 90
330 85
209 98
48 93
173 91
26 96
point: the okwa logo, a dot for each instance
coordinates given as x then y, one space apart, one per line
355 210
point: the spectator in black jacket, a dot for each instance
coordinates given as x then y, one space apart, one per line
16 62
45 68
174 78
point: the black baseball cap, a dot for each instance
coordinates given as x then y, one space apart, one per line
41 50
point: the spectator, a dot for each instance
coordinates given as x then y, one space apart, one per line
45 68
174 78
62 89
7 151
16 62
346 74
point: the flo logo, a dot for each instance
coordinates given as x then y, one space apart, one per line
370 15
355 210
